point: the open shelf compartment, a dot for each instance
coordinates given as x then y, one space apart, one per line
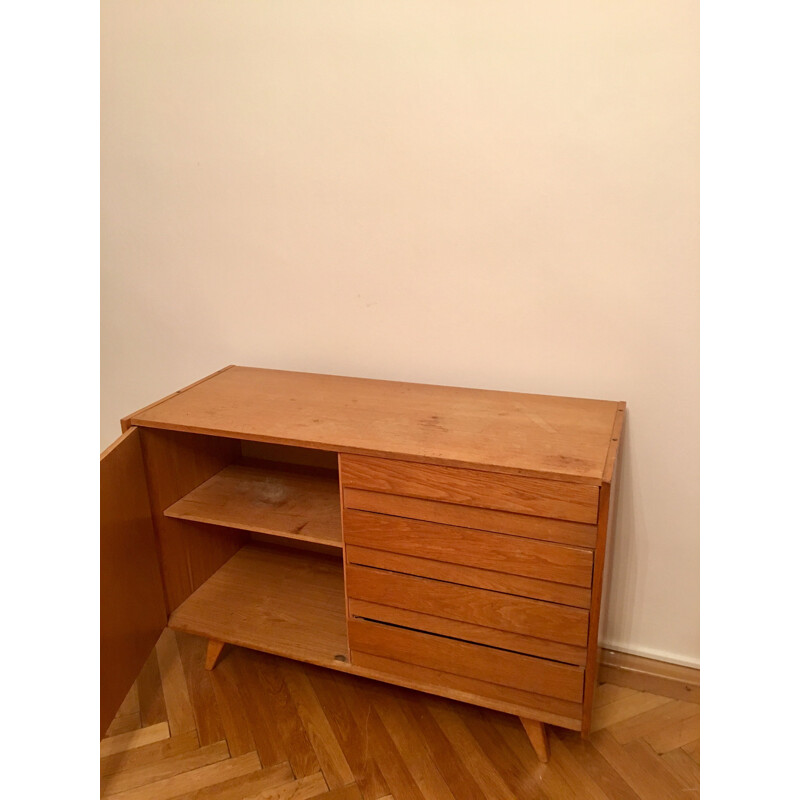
294 502
274 599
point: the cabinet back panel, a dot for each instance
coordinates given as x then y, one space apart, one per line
303 456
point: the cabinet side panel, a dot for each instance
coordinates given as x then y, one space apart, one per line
132 613
605 528
189 552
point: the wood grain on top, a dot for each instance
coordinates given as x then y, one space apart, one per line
555 437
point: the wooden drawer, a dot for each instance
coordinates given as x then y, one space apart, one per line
578 534
471 576
491 695
576 502
543 561
504 612
467 632
487 664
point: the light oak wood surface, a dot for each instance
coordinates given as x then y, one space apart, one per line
543 498
470 576
504 612
274 600
544 561
294 503
132 607
530 674
125 780
552 530
536 733
501 431
176 690
469 632
126 423
507 699
213 653
112 745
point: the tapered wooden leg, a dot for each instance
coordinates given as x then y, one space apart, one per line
538 736
213 653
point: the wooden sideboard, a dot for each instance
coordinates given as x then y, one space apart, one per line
443 539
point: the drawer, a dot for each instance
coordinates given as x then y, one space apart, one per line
471 576
503 698
504 612
575 502
578 534
525 673
467 632
543 561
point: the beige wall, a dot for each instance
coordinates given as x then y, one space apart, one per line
469 192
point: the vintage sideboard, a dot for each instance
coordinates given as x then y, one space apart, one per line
444 539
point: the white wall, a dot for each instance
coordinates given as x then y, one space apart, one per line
478 193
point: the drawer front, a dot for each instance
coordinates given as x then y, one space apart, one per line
467 632
578 534
487 664
471 576
470 690
504 612
514 555
519 494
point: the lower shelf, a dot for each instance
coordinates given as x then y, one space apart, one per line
274 600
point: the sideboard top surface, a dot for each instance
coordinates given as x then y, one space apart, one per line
554 437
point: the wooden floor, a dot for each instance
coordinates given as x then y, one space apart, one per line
263 727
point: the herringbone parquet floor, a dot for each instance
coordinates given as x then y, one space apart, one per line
263 727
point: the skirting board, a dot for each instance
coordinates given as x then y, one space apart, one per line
649 675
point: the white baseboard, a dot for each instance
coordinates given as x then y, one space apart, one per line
656 655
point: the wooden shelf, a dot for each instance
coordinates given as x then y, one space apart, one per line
282 500
275 600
